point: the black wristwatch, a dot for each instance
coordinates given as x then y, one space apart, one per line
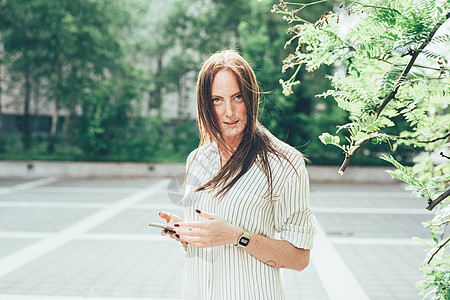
244 239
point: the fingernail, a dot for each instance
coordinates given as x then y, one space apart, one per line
177 236
176 225
198 211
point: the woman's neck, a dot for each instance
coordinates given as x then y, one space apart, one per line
226 152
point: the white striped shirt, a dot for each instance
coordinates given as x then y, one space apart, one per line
228 272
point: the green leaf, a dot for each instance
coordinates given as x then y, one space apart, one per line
440 99
402 173
329 139
422 241
361 136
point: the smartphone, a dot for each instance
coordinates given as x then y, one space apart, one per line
163 226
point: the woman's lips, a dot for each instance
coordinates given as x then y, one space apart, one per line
231 123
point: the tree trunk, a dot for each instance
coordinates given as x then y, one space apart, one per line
181 103
71 125
70 122
2 143
26 132
156 93
58 95
36 113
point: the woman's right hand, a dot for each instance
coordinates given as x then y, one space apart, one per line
170 219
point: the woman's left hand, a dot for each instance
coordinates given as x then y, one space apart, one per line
214 231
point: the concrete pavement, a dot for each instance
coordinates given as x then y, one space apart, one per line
73 239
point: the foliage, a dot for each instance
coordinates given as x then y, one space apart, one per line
151 139
393 68
110 65
297 118
66 50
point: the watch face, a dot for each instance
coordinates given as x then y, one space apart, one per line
244 241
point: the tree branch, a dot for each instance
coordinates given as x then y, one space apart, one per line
416 66
438 249
345 164
397 85
432 204
410 65
438 224
396 137
375 6
347 159
436 139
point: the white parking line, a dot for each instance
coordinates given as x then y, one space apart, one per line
87 190
36 250
27 185
153 236
336 277
24 235
160 206
372 210
72 204
171 206
376 241
55 297
46 204
364 194
156 237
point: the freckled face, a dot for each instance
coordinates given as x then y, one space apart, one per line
229 107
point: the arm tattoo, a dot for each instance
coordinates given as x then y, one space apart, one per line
271 263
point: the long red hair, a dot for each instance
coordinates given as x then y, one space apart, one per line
257 142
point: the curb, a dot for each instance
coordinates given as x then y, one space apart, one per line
39 169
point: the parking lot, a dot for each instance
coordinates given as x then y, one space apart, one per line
73 239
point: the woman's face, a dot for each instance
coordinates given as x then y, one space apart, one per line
229 107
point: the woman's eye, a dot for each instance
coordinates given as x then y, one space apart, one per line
238 98
216 100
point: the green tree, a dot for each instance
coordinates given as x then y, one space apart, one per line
294 118
68 49
2 142
189 32
394 73
22 51
106 125
175 43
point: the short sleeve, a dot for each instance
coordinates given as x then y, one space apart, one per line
293 217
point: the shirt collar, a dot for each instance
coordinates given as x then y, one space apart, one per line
213 147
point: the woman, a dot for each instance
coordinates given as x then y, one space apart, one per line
246 194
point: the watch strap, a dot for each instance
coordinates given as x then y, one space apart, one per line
244 239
